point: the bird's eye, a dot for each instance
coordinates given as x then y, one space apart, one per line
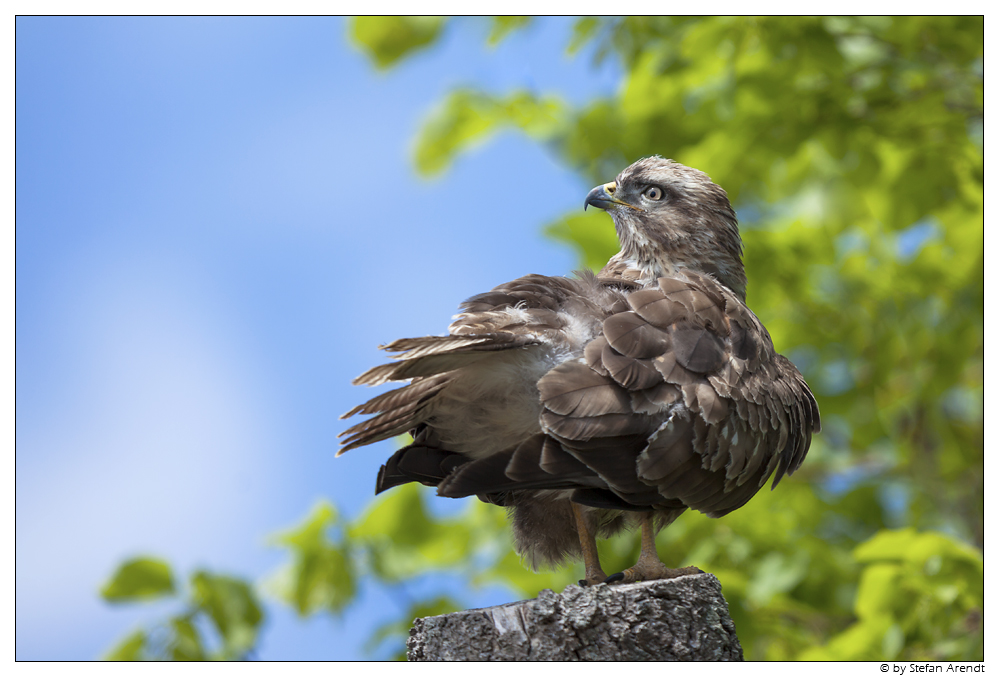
653 193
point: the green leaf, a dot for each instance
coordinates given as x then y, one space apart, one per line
878 590
777 573
464 119
233 607
917 548
468 117
320 576
141 578
582 32
502 26
886 544
129 649
893 642
864 641
402 539
386 40
185 643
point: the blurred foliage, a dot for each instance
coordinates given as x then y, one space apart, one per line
319 576
919 598
467 116
139 578
852 149
387 39
219 616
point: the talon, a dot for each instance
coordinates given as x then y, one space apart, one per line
614 578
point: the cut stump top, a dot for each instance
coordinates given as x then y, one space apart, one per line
678 619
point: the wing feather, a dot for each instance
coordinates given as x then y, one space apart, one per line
684 390
661 397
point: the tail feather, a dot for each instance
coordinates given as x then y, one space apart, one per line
423 389
417 463
382 427
429 355
428 365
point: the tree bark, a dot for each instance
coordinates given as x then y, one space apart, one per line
679 619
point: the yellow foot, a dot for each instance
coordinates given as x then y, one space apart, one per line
593 577
650 571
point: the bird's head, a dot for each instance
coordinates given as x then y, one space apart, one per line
670 216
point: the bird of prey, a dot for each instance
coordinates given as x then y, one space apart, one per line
590 404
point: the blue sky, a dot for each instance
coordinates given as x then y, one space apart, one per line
217 223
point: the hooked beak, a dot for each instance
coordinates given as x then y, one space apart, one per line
602 197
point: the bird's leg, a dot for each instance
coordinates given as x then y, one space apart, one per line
649 567
588 543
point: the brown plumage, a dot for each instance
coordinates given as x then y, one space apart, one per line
584 404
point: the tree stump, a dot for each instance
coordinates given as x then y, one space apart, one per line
680 619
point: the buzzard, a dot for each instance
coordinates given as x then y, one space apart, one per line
590 404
